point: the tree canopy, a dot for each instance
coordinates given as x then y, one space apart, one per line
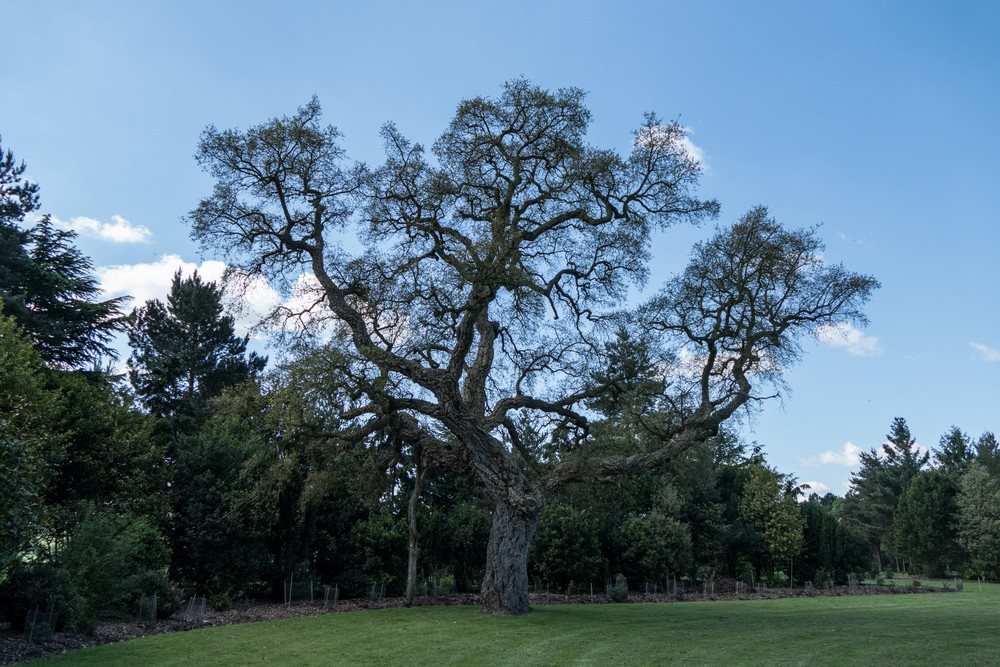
488 276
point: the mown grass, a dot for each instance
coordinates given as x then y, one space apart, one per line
921 629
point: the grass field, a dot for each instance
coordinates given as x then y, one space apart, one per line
929 629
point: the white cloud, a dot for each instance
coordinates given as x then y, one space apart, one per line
119 230
151 280
692 150
816 487
986 353
850 338
849 456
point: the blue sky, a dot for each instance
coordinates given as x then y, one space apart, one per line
876 120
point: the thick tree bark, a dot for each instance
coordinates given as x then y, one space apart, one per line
505 585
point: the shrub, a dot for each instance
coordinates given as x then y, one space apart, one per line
565 549
221 602
618 592
654 543
150 583
111 560
380 553
39 586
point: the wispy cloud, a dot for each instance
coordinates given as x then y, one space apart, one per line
119 230
986 353
848 456
849 337
693 151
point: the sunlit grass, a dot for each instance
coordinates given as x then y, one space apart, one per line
923 629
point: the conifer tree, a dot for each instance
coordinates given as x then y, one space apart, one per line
46 284
186 351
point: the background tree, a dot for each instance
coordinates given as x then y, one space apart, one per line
923 531
566 550
114 560
954 453
830 550
18 198
978 522
485 275
988 453
109 454
923 535
47 284
870 505
56 301
18 195
27 408
774 513
654 545
186 352
219 541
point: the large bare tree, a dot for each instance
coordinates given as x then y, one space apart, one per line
471 292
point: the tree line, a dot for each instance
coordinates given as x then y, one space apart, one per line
932 512
460 395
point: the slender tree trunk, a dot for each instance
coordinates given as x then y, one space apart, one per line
877 547
411 569
505 586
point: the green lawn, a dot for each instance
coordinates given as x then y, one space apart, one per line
929 629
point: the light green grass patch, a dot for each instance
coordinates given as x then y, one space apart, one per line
921 629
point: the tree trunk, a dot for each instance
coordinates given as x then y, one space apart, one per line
505 585
411 569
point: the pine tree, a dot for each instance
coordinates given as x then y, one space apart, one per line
186 351
18 195
877 487
955 452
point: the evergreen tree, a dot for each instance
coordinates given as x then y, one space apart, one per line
57 302
955 452
186 351
978 522
47 284
922 523
831 550
18 195
876 488
901 454
109 454
988 453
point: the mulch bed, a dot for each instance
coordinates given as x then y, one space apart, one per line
14 646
